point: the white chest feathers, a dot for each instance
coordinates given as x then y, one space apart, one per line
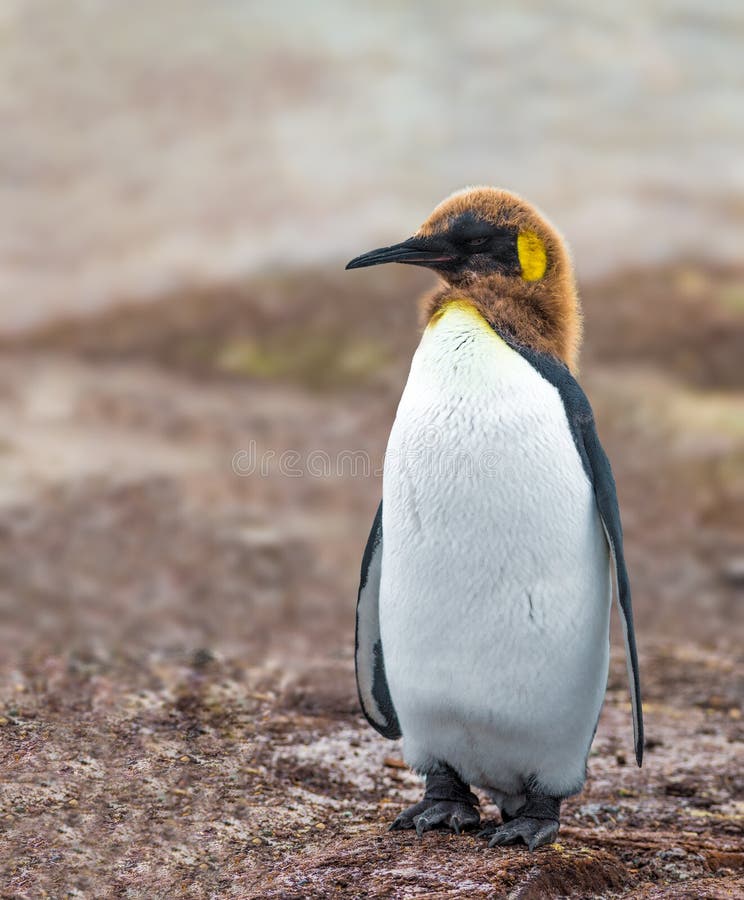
495 589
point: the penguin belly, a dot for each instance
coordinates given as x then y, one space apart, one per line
495 589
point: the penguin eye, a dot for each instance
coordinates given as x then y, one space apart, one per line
476 242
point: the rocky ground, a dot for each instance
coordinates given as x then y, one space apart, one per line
178 711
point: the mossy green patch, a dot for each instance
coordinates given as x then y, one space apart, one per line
316 361
731 296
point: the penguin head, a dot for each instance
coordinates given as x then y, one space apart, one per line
491 247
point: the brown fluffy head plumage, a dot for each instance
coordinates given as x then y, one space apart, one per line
536 301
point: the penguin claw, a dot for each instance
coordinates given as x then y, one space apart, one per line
428 815
533 832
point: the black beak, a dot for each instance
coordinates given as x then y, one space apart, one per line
413 252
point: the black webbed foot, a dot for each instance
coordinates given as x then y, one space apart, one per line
428 814
447 803
533 832
535 824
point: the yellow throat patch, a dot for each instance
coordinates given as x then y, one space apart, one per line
466 309
463 306
532 256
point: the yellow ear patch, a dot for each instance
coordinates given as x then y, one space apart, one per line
532 256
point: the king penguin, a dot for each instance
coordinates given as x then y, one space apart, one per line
483 614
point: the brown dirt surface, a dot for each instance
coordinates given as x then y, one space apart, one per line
177 708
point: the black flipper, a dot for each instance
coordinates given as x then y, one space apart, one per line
597 467
372 686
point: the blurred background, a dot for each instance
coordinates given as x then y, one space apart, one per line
181 184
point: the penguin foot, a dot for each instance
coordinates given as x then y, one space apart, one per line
535 824
430 814
448 803
533 832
